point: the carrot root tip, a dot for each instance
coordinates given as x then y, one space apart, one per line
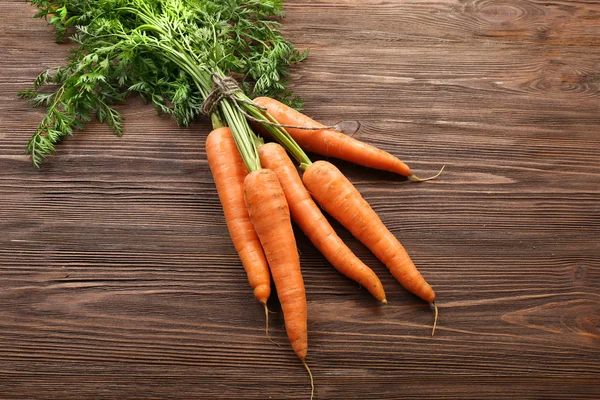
312 383
267 325
384 301
415 178
435 318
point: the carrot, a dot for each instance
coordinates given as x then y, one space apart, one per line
229 171
308 216
331 143
270 215
338 196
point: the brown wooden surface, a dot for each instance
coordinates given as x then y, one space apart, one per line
118 278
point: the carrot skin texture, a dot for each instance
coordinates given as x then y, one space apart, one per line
270 215
229 172
310 219
329 142
338 196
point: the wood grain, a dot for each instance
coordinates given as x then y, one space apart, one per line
118 279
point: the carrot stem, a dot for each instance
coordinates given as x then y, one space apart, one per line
216 121
415 178
435 318
279 134
242 134
312 383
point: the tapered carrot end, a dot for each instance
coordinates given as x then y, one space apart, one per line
384 301
415 178
435 318
312 383
267 325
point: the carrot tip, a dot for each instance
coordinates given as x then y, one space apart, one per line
384 301
415 178
435 319
312 383
267 325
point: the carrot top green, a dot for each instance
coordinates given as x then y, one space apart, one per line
168 52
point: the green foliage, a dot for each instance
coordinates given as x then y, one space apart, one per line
163 50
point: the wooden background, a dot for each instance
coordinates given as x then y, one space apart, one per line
118 279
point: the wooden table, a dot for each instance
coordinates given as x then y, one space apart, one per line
118 278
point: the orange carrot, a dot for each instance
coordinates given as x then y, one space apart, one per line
229 171
270 215
308 216
331 143
338 196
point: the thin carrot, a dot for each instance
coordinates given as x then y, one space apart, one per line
270 215
309 217
331 143
229 171
338 196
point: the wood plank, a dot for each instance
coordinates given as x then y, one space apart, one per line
118 278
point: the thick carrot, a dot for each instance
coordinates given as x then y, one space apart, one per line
270 215
331 143
338 196
309 217
229 171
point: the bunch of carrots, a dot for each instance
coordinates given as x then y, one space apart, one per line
180 55
259 206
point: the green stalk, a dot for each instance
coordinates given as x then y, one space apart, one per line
278 133
242 134
197 37
245 139
216 121
241 131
